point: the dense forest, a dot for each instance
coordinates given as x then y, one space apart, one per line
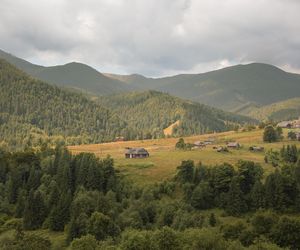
202 207
150 112
32 111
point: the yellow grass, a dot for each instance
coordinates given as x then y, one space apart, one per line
164 159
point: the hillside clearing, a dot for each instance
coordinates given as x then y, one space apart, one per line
163 160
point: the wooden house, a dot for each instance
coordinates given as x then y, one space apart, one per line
235 145
136 153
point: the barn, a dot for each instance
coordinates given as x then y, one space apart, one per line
136 153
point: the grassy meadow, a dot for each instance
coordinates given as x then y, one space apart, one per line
164 159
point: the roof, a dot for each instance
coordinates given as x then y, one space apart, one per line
284 124
198 143
233 144
136 151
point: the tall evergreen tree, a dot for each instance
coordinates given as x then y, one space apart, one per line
235 200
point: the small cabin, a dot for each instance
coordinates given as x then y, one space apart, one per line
235 145
136 153
285 124
256 149
199 144
119 138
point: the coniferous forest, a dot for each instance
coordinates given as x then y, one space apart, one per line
202 207
33 112
149 125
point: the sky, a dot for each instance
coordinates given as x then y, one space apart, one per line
153 37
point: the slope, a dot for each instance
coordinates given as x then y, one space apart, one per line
72 75
151 112
29 105
229 88
279 111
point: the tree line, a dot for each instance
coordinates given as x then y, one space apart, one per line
95 205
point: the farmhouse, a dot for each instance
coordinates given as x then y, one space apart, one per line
256 149
233 145
199 144
285 124
136 153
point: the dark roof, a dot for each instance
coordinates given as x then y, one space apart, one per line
136 151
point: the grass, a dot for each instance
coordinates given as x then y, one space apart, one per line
164 159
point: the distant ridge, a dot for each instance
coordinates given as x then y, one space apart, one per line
230 88
239 88
71 75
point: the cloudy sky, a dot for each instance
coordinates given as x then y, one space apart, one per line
153 37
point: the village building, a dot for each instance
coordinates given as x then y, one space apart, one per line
285 124
289 124
235 145
136 153
199 144
119 138
256 149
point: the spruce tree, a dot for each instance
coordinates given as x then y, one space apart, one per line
257 195
60 213
35 210
235 200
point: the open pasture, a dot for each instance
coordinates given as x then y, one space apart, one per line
164 159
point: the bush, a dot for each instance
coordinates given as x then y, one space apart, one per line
14 223
87 242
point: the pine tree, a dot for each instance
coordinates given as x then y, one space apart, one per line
257 195
274 195
60 213
21 201
35 210
270 134
235 200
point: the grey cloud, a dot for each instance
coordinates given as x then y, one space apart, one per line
153 37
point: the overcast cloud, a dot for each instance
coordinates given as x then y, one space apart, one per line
153 37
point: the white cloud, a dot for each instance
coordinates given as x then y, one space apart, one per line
153 37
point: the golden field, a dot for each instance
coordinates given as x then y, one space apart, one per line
164 159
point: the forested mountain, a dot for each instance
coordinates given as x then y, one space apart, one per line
229 88
152 111
279 111
238 88
30 107
71 75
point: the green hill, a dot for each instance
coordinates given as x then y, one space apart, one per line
279 111
30 108
72 75
229 88
152 111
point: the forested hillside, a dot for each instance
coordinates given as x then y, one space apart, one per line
279 111
71 75
228 88
153 111
30 108
90 205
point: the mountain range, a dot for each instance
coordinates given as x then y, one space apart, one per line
73 75
243 89
231 88
34 112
